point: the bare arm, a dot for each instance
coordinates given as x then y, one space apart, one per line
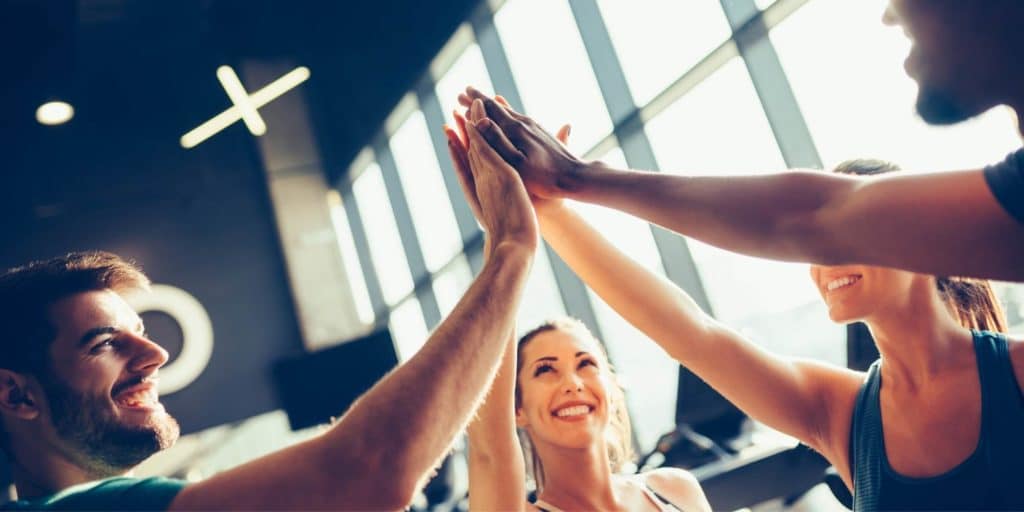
786 394
940 223
496 467
943 224
497 471
382 449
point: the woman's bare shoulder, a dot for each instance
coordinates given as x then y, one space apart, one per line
679 486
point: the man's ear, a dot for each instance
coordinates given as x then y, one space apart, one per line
17 395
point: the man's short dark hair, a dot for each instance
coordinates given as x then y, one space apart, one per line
27 293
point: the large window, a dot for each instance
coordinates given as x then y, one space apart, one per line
659 40
408 329
858 101
552 72
719 128
451 282
648 375
541 299
468 69
353 270
423 185
700 113
385 243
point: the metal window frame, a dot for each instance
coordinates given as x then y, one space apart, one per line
749 40
573 291
469 230
406 231
355 220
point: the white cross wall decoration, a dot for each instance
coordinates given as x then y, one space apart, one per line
245 105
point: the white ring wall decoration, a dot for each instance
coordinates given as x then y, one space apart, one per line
196 333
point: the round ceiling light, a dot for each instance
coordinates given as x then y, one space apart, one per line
54 112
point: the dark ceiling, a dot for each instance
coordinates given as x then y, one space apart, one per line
140 73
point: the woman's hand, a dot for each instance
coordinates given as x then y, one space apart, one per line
493 189
458 152
544 163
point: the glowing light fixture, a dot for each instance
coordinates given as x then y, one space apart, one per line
53 113
245 105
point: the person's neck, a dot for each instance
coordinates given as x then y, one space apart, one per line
919 340
577 479
40 471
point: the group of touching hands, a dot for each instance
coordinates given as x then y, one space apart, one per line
510 169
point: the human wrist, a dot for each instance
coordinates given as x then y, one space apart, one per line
504 252
548 207
585 179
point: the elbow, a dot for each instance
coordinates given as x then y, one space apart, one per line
368 481
400 496
398 483
384 487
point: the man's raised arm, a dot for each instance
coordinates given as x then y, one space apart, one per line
941 223
382 450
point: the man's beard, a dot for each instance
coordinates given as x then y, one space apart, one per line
90 427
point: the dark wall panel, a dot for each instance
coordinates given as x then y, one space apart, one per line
199 220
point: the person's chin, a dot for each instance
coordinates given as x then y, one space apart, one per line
843 315
578 442
151 417
938 107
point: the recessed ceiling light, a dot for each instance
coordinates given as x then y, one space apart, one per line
54 112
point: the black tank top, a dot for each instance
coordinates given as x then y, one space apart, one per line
989 479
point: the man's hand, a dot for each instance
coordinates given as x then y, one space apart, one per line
545 165
494 191
457 150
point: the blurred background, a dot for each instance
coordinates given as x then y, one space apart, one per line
279 169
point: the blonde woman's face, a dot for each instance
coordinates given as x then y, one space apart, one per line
564 384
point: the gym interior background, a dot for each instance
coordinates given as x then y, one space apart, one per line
341 220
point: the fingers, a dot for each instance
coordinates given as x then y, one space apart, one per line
476 111
466 100
501 99
563 134
504 103
457 150
475 93
460 160
461 123
482 150
501 116
499 142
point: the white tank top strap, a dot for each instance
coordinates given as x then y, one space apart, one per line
545 506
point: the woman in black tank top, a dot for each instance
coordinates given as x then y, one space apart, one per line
575 427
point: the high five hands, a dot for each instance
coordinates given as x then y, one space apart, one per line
546 166
460 148
495 193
